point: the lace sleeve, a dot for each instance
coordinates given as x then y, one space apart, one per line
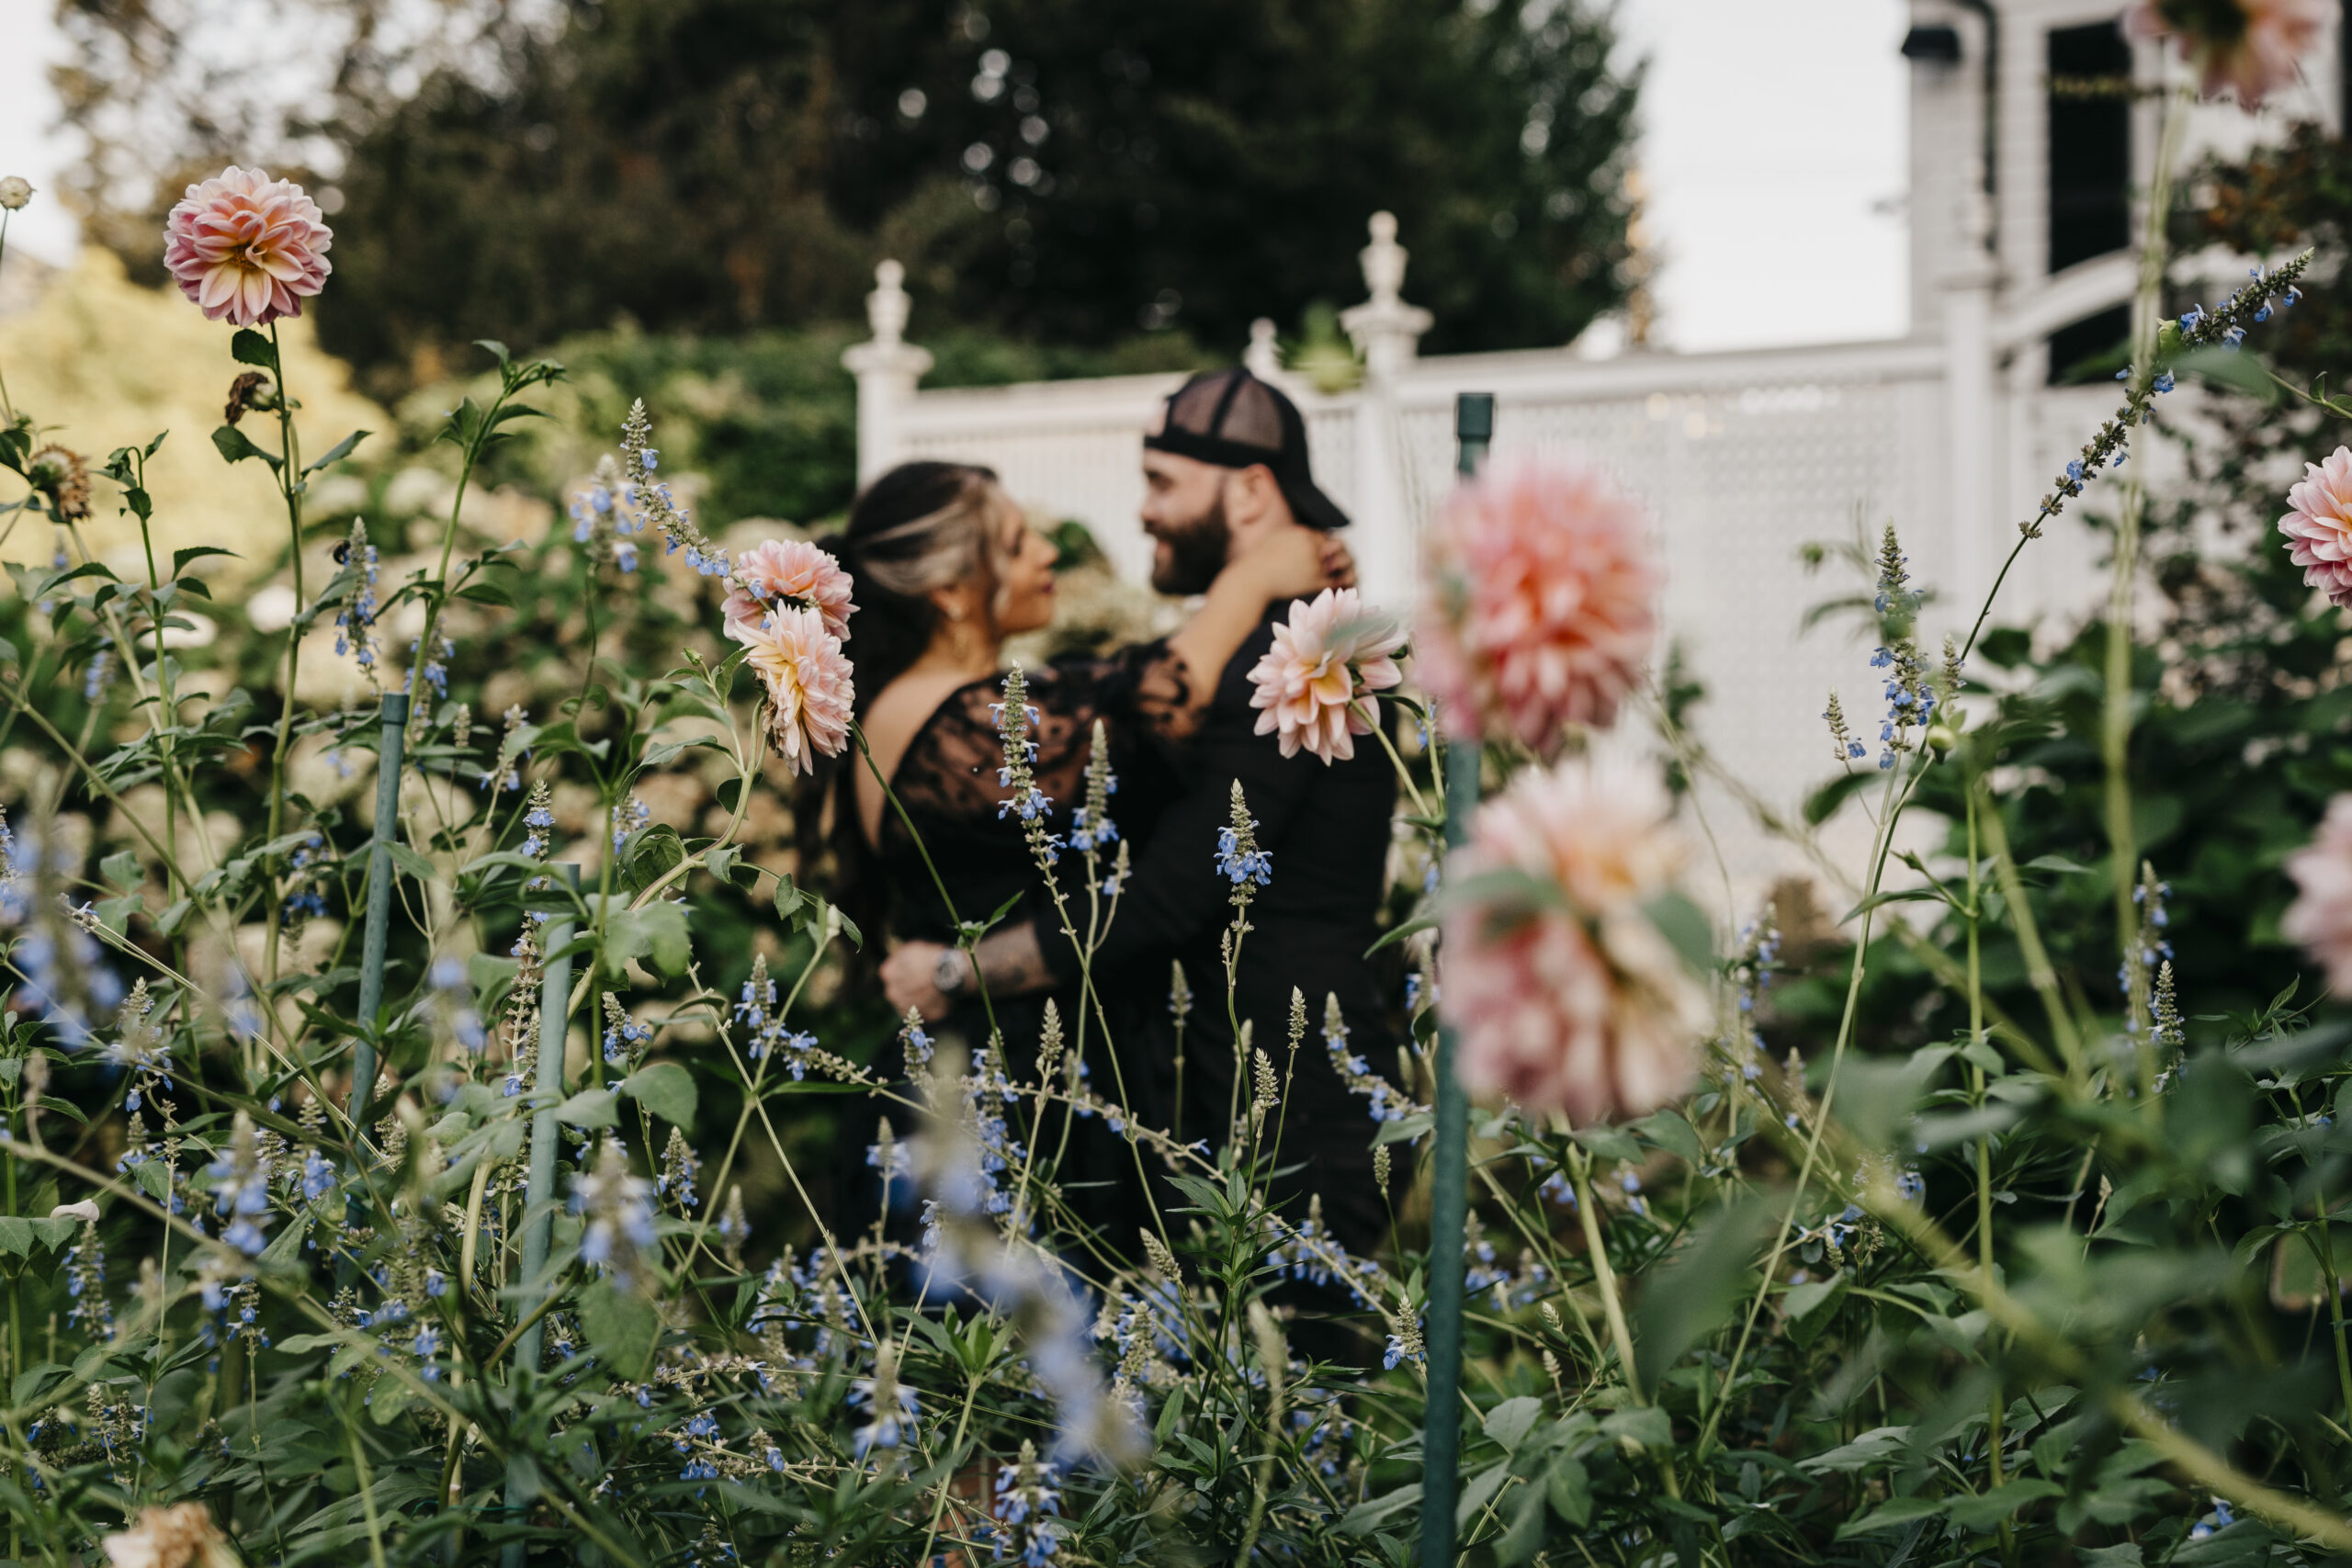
1143 695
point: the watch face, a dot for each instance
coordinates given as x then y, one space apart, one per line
947 975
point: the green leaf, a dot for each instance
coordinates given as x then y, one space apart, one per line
388 1398
591 1107
1682 924
1645 1424
1689 1296
1902 1511
250 347
338 452
1802 1305
1399 932
652 854
1823 803
2055 863
2232 369
622 1325
1370 1514
180 559
1479 1493
666 1089
121 869
1672 1131
487 593
409 860
1524 1534
657 932
1509 1422
1570 1489
54 1234
1610 1143
1983 1512
1901 895
235 447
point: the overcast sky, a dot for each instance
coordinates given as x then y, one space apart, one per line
1773 152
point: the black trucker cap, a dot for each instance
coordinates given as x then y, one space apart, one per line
1232 418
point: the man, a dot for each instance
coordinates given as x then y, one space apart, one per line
1226 471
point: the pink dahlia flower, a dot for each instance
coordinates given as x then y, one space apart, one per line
1326 658
808 681
1538 611
2251 45
779 570
2321 919
247 247
2319 528
1567 996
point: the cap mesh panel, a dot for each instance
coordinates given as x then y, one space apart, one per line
1248 414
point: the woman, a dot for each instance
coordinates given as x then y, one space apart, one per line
946 569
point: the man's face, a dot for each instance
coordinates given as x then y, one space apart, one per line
1183 511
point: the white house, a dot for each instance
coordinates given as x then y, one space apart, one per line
2021 210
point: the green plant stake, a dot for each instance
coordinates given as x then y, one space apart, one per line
1474 426
390 756
539 1221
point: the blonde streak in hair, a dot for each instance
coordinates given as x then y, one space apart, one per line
932 566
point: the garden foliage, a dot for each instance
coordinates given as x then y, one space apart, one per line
2046 1273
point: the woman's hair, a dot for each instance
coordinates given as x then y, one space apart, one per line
918 527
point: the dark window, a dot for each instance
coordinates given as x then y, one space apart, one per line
2090 148
2343 70
2092 349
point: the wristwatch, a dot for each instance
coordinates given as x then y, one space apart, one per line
953 973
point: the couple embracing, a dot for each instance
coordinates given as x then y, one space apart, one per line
946 569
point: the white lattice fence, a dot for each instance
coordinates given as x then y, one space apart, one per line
1741 460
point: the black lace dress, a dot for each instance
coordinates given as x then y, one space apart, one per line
947 782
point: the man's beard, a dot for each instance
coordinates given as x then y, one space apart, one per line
1196 552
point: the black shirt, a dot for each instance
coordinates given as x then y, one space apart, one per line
1327 829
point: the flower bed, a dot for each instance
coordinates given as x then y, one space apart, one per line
323 1235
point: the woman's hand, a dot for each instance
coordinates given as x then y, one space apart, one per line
1293 563
909 978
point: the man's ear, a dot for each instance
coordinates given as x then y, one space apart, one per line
1253 502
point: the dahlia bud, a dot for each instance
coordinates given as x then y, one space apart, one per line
14 191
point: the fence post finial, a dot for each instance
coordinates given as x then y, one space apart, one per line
1263 359
1385 330
887 368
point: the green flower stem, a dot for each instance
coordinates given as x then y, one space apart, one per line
175 780
1997 1407
754 1083
1897 792
289 485
555 1018
954 1446
2115 728
2038 968
367 1491
1612 1303
393 727
1404 774
1448 1214
2324 1245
